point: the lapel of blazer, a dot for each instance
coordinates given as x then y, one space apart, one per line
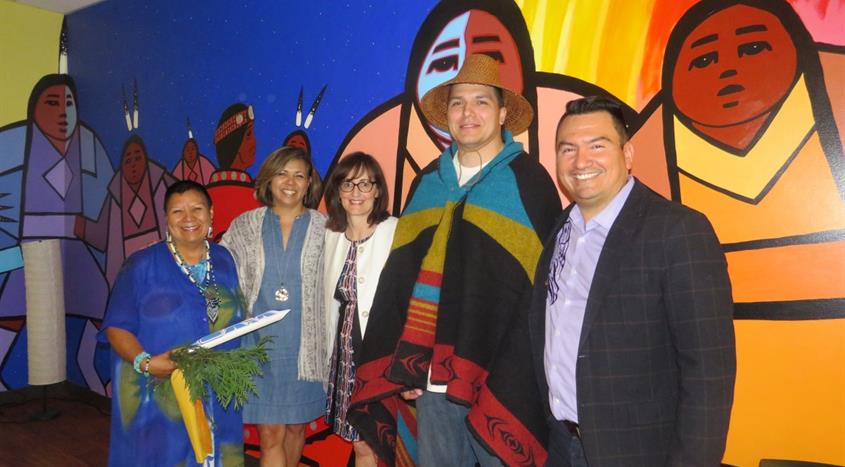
616 246
537 311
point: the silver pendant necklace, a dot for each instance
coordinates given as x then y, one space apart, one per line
209 292
282 294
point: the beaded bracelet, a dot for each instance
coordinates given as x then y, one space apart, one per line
137 363
147 366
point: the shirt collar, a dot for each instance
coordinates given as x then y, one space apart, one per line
610 212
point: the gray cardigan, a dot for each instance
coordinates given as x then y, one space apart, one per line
243 240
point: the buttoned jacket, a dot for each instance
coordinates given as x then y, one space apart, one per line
370 259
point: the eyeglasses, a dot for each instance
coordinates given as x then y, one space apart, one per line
364 186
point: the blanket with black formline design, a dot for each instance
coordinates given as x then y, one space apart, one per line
452 297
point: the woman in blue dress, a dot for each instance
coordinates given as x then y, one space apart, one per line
167 296
278 250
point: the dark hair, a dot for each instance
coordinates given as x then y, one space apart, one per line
227 148
357 163
184 186
274 163
45 82
591 104
301 134
137 140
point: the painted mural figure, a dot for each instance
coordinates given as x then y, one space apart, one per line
230 187
748 128
54 169
135 216
193 166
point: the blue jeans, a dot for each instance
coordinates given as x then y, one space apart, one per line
443 438
565 449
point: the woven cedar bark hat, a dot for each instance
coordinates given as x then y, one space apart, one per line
478 69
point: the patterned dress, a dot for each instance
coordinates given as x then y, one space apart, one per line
342 376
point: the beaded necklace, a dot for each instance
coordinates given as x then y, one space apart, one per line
209 292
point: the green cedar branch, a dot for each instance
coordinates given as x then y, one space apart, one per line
229 373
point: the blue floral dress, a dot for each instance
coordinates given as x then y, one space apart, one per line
154 300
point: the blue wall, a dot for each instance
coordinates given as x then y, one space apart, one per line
193 59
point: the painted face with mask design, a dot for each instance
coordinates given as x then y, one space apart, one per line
55 112
471 32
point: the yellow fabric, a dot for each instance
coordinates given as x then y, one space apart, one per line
748 175
510 234
413 224
194 417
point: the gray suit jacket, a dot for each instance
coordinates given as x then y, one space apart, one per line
656 360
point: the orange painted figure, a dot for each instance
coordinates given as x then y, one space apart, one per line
747 130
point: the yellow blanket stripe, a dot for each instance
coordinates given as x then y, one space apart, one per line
519 240
412 224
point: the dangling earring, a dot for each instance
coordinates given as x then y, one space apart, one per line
167 237
210 231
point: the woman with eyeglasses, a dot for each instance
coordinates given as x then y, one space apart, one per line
359 234
278 250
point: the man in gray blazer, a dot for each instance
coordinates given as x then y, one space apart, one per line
631 315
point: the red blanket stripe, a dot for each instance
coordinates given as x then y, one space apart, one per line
370 382
432 278
497 428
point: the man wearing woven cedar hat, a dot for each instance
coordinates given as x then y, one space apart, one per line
448 314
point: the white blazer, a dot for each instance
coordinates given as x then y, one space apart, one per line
370 260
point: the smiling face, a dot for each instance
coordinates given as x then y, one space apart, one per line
133 163
592 162
356 203
55 112
474 115
471 32
733 67
188 218
290 184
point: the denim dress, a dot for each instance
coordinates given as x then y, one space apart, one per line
282 398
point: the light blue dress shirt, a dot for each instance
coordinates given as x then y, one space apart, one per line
576 255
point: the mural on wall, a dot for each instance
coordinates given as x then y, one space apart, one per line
737 83
299 138
747 129
450 33
192 165
231 187
737 107
55 174
134 218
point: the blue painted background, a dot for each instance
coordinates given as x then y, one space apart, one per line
193 59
